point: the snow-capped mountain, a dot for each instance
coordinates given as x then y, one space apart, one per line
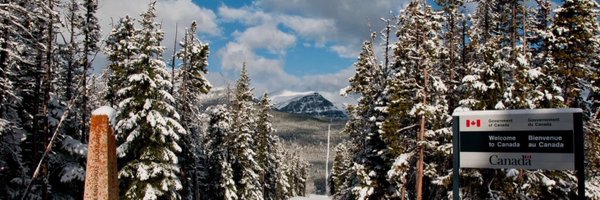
312 104
282 99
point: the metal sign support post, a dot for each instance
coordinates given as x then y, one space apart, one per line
456 161
579 154
550 139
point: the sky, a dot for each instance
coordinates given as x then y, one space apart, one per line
287 45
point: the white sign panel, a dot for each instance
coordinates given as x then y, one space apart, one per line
525 139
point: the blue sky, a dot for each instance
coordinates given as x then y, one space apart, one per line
288 45
300 59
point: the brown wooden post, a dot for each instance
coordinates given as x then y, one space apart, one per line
101 181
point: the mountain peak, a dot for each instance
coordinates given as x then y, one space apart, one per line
312 104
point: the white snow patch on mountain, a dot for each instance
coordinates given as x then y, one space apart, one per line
282 99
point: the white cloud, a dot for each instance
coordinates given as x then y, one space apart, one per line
184 12
319 30
267 36
262 34
244 15
233 55
346 51
169 13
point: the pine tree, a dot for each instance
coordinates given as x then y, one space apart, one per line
574 43
121 47
148 130
192 84
34 83
264 148
274 163
371 151
341 165
284 189
301 175
91 37
245 167
70 153
450 54
194 55
70 52
483 83
421 135
546 93
13 168
220 178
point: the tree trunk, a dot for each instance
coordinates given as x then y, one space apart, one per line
68 82
86 65
47 87
423 123
452 50
513 35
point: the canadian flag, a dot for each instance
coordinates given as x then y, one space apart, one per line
476 122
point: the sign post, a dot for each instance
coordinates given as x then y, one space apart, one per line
521 139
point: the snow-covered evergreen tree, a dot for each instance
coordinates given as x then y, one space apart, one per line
273 177
120 49
284 189
545 92
341 164
148 130
371 151
91 36
192 83
264 148
11 160
419 120
34 83
218 143
300 172
70 153
574 45
482 85
13 167
450 52
245 167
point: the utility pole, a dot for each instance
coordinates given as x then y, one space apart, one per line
173 61
327 161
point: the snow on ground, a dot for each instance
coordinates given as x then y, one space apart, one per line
312 197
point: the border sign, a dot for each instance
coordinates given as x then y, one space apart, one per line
521 139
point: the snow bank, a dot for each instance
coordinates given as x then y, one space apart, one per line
312 197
